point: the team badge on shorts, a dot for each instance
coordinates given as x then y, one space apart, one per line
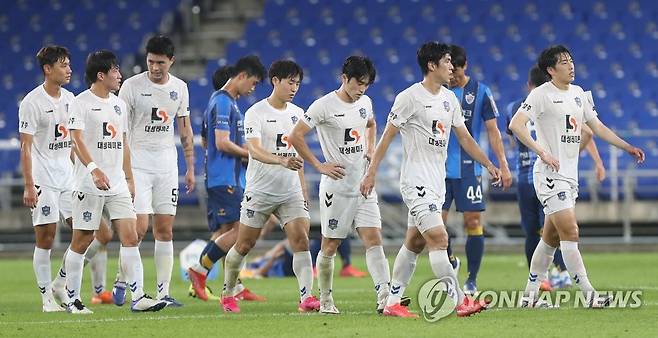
294 119
86 216
433 207
562 195
45 210
446 105
117 110
250 213
578 102
173 95
333 224
362 112
470 97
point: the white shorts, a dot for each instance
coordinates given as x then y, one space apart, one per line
424 208
340 215
554 194
50 205
88 209
256 209
156 193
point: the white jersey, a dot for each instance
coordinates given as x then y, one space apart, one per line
272 127
341 130
103 124
152 109
425 121
558 116
45 118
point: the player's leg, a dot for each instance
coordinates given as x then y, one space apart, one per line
98 264
325 267
531 222
449 197
469 200
246 239
405 265
165 201
541 259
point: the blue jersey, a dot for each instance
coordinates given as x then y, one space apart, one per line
525 158
478 106
223 114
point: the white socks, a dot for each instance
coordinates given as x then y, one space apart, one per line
441 267
575 265
325 266
98 267
41 264
403 268
92 250
233 264
164 263
379 271
74 264
131 265
302 266
541 258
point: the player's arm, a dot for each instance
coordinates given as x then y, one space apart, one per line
302 181
298 140
602 131
368 182
100 180
471 147
518 127
587 142
187 143
30 196
496 142
262 155
223 143
127 166
371 137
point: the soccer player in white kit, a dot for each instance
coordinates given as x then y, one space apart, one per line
154 99
103 180
346 128
275 185
424 114
558 110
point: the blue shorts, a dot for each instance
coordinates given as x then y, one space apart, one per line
532 211
223 205
467 193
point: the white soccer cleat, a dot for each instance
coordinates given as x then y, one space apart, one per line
146 303
60 295
51 305
327 307
77 308
535 303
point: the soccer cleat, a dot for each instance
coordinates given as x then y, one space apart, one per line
171 301
327 306
470 306
560 280
104 297
198 283
145 304
230 304
51 305
535 303
397 310
60 295
405 301
249 296
545 286
77 308
350 271
599 302
470 288
211 295
119 293
310 304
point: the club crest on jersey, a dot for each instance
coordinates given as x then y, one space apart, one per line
333 224
45 210
86 216
173 95
470 97
117 109
578 102
446 105
362 113
438 128
294 119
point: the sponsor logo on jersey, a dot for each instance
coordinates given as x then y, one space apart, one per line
158 115
283 143
61 133
351 136
571 127
110 131
438 129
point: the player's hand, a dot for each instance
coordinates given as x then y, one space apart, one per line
131 187
550 160
496 175
506 177
292 163
30 196
600 172
333 170
637 153
190 181
367 184
101 181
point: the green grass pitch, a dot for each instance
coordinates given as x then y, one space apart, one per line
21 316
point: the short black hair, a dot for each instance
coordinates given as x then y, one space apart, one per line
358 67
100 61
457 56
537 77
252 66
49 55
550 56
160 45
222 75
432 51
284 69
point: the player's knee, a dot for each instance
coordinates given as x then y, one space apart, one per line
570 233
473 226
437 239
299 243
243 247
164 235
